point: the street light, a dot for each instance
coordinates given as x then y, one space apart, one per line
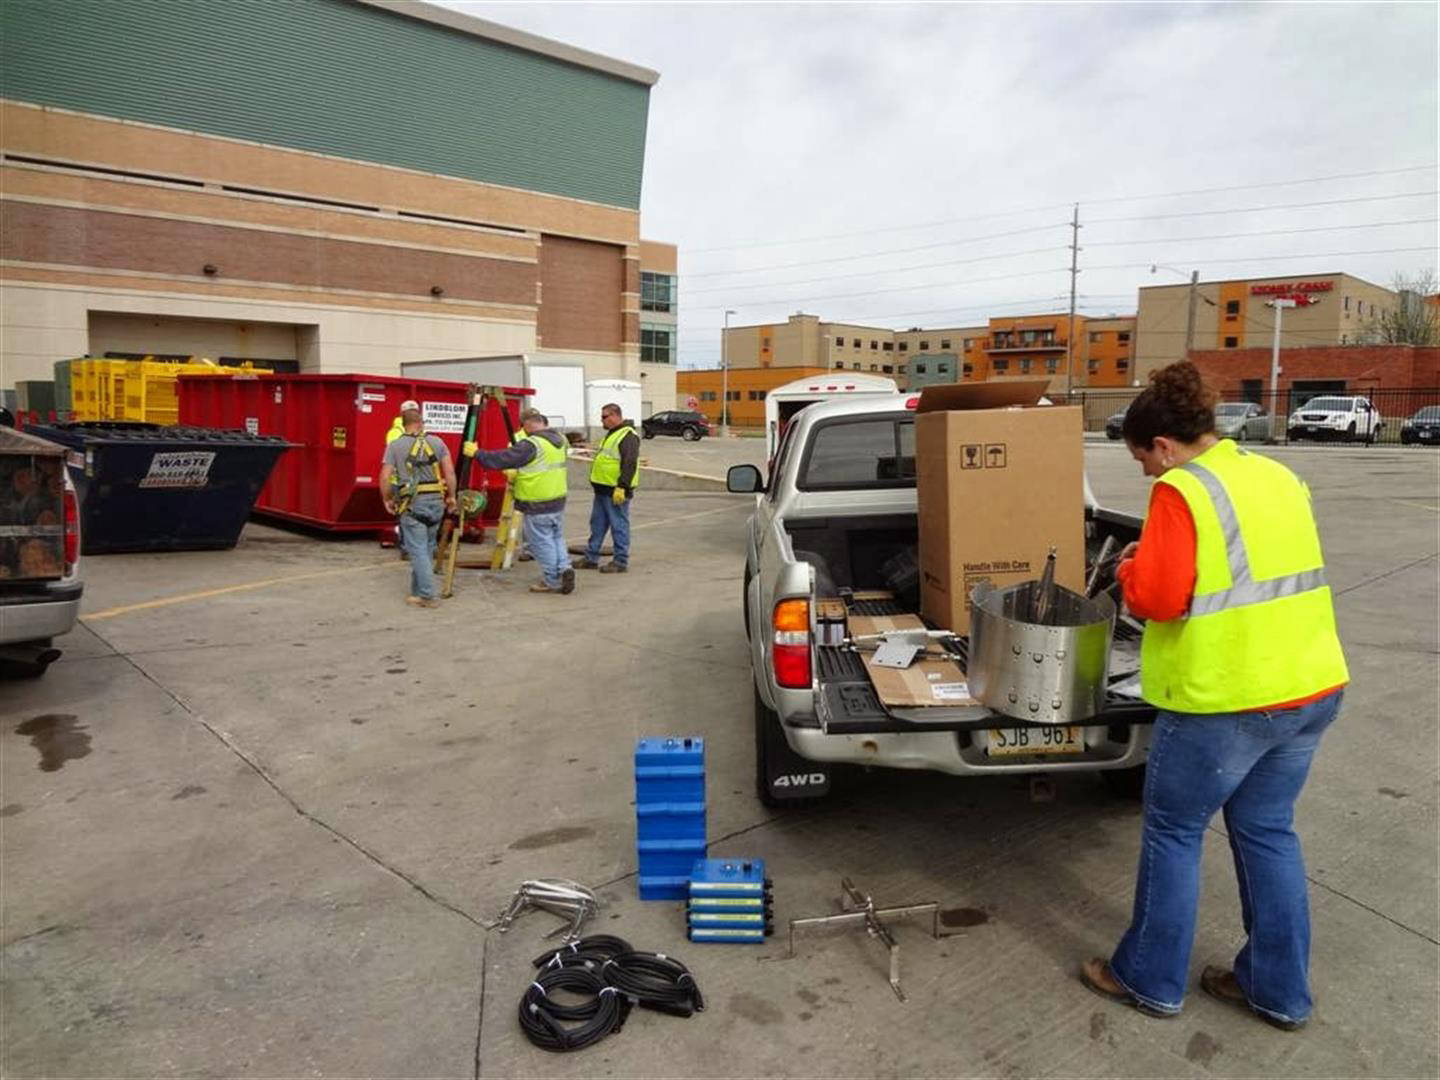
1280 303
725 375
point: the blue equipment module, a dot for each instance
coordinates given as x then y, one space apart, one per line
669 813
729 901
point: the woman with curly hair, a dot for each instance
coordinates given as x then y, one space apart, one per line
1241 658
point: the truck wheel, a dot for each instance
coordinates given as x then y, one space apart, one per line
648 433
1350 432
690 434
783 777
1125 783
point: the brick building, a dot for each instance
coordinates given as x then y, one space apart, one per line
334 185
1399 373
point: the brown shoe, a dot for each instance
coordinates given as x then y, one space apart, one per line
1096 976
567 581
580 562
1221 985
414 601
613 568
540 586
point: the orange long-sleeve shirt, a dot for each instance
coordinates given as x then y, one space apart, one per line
1159 581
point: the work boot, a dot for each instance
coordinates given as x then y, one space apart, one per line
567 581
613 568
1220 984
540 586
423 601
580 562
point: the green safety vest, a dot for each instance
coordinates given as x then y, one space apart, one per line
606 468
542 478
1261 625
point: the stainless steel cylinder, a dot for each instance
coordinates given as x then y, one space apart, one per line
1052 674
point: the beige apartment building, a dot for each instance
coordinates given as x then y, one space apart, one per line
1331 309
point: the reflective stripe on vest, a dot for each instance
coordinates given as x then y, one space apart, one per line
1261 625
1244 589
542 478
606 468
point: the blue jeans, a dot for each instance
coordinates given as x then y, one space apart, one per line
545 538
419 530
1253 765
606 516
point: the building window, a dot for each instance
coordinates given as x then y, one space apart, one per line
1025 366
1094 367
1232 307
924 346
944 344
1052 364
839 365
732 395
1094 336
756 395
1232 343
888 369
1123 337
855 367
919 369
969 369
657 344
874 344
1122 364
1347 303
904 346
657 291
1002 364
888 346
969 344
765 343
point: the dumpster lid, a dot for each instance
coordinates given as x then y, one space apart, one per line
102 433
21 442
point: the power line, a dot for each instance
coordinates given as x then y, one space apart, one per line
874 292
1263 209
1267 232
1055 206
871 254
1272 258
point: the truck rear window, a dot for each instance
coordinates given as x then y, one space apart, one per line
863 453
32 540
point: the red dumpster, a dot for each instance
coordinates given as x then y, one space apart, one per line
338 425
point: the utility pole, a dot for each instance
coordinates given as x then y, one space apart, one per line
725 374
1074 272
1280 303
1190 318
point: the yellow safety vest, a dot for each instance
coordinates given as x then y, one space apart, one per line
397 428
606 468
542 478
1261 625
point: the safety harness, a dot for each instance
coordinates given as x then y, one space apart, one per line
421 454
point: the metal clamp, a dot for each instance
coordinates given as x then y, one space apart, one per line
571 901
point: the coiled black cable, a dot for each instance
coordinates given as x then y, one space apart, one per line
655 981
559 1028
597 948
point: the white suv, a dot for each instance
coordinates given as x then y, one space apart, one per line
1347 418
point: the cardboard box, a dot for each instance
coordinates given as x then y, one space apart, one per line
935 678
1000 480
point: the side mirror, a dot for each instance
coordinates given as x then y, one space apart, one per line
743 480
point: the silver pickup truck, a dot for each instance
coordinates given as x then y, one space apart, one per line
837 510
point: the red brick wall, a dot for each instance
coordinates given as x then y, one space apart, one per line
1363 367
580 285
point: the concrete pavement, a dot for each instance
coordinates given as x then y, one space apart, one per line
262 831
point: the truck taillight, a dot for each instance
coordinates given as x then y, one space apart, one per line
72 531
791 622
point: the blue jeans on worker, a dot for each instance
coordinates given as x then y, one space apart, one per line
545 537
1252 765
419 530
605 516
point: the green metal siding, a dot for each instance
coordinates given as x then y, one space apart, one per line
338 78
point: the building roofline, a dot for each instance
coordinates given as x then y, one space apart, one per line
518 39
1271 277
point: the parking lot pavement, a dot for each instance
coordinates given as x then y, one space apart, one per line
261 813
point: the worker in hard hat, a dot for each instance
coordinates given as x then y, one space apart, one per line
417 482
614 475
538 459
1242 660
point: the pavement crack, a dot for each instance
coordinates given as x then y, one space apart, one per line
480 1018
259 771
1388 573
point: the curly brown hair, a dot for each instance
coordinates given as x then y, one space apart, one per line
1176 404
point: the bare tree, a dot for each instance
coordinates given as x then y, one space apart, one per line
1415 318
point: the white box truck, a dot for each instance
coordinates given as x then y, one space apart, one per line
782 403
599 392
559 388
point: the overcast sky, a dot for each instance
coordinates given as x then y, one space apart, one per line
906 137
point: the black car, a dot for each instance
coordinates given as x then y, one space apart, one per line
1114 424
1423 427
688 425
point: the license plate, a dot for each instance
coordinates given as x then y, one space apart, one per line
1036 740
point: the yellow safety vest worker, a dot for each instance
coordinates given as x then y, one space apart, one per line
1261 626
397 428
606 468
410 485
542 478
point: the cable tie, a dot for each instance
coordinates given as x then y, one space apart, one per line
537 986
555 961
607 990
661 956
607 963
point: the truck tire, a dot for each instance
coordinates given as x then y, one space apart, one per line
783 777
1125 783
690 434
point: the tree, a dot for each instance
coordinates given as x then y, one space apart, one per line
1415 318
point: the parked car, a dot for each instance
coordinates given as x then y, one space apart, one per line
1423 427
40 583
1241 421
1114 424
1346 418
688 425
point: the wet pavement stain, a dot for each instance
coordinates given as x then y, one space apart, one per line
10 809
1201 1048
550 837
755 1009
808 996
188 791
57 737
1098 1026
396 670
1393 793
963 916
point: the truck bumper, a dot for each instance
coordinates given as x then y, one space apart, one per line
35 619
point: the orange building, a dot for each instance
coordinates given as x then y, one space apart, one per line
747 387
1028 346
